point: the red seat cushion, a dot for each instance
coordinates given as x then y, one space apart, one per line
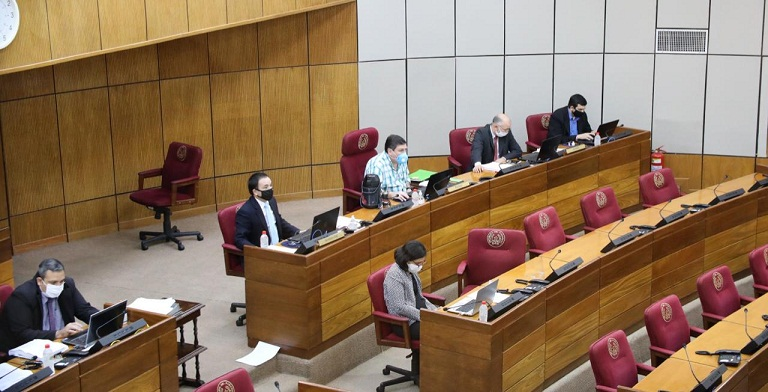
157 197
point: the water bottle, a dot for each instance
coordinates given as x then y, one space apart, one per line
597 139
47 356
421 197
264 239
484 312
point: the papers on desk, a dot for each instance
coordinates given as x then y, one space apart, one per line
498 297
7 379
163 306
262 353
35 348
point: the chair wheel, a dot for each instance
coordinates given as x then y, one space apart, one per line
385 371
232 309
199 237
142 237
239 323
379 389
144 247
181 246
175 229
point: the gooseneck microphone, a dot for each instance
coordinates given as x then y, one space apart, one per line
746 330
614 228
553 259
718 185
685 349
662 209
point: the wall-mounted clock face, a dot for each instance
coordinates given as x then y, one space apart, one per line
9 22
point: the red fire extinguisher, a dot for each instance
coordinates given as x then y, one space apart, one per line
657 159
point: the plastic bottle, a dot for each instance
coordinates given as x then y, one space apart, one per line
484 312
598 139
264 239
421 197
47 356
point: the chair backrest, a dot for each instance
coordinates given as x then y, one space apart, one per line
5 292
658 187
600 207
717 292
537 126
491 252
182 161
666 324
758 263
612 361
460 141
376 291
357 147
544 230
233 263
237 380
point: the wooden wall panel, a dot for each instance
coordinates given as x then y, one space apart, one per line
132 66
128 211
236 125
325 178
231 189
26 84
333 35
285 117
137 134
86 145
122 22
206 13
283 41
166 17
186 111
308 3
90 72
238 10
48 224
93 217
686 166
272 7
292 184
74 27
715 168
3 197
183 57
234 49
32 43
333 108
434 164
32 157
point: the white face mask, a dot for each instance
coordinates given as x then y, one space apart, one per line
53 291
500 132
413 268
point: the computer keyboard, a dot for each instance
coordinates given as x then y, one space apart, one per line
77 340
304 236
517 166
467 307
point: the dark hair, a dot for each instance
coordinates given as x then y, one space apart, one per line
411 250
253 182
48 265
393 141
576 100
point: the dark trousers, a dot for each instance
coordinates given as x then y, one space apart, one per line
415 330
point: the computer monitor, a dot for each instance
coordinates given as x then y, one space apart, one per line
104 322
549 149
325 222
437 184
607 129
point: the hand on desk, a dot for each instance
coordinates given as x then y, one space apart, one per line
585 136
399 196
69 329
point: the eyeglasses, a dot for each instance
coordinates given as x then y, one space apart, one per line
419 263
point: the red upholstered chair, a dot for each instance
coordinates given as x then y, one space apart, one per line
537 126
383 321
490 253
544 231
758 263
613 363
5 292
179 186
237 380
658 187
718 295
600 208
233 257
357 147
667 328
460 140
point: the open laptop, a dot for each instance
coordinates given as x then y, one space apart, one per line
321 224
547 151
473 305
101 323
605 131
437 184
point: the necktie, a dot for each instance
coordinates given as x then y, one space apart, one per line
420 303
271 226
51 316
496 148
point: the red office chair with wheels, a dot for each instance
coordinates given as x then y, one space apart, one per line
5 292
237 380
758 263
357 147
383 321
460 141
490 253
718 295
667 328
179 186
537 126
613 362
600 208
233 257
544 231
658 187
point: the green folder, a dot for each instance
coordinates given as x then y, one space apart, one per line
421 175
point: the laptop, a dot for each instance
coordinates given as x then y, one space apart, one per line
605 131
437 184
471 307
101 324
547 151
321 224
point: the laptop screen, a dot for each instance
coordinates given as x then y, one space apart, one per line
325 222
437 183
607 129
106 321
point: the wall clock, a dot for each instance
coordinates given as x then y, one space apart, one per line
9 22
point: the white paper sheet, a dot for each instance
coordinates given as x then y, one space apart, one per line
11 378
262 353
35 348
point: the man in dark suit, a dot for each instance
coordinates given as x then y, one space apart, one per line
43 307
570 122
494 143
259 214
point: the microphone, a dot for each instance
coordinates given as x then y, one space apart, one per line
553 259
614 228
687 358
671 217
718 185
662 209
746 330
277 385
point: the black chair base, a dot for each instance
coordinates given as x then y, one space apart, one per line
168 234
233 308
407 375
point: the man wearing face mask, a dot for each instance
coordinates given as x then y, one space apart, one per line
43 307
571 122
259 214
391 165
494 143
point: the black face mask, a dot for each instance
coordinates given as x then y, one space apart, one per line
267 195
577 114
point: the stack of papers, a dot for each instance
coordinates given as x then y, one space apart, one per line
7 379
35 348
167 306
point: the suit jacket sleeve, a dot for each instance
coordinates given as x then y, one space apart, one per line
19 312
245 224
584 126
477 146
82 308
514 150
559 125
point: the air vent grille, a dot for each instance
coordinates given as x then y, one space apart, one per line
681 41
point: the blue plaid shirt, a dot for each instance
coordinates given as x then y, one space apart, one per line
391 180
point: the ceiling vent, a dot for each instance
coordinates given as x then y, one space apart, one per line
681 41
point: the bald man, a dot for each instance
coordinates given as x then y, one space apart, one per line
494 143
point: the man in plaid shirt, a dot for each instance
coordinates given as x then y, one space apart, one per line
391 165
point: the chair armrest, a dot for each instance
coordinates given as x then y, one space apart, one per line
462 266
696 331
602 388
351 192
182 182
662 351
745 300
148 174
460 273
569 237
710 319
435 299
623 215
588 229
229 248
535 252
759 289
644 369
390 318
647 205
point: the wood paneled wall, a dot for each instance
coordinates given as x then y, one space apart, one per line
694 171
275 96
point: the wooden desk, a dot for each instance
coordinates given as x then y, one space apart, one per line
757 309
306 304
675 375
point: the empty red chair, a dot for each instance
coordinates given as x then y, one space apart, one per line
667 327
613 362
490 253
537 126
758 263
357 147
600 208
233 256
460 141
5 292
658 187
236 381
544 231
718 295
